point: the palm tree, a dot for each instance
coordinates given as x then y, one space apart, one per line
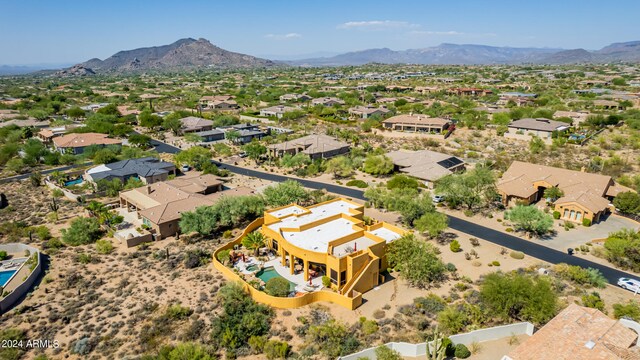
254 241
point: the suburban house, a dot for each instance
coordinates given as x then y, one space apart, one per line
581 333
76 143
276 111
316 146
469 92
192 124
218 102
327 101
364 112
543 128
160 204
417 123
426 165
46 135
211 135
244 133
149 170
295 97
578 117
278 130
586 195
330 239
520 99
607 105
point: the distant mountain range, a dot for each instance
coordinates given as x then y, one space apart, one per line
452 54
190 54
184 54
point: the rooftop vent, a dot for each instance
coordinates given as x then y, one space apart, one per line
590 344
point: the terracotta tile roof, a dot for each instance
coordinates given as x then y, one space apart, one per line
584 188
579 333
84 139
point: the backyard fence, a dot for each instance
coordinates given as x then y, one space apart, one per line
420 350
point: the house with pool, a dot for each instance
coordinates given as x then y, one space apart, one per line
328 239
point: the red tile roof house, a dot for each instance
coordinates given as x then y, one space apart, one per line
580 333
76 143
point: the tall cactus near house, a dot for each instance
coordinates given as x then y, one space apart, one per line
436 348
53 205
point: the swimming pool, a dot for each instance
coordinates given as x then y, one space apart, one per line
270 273
252 267
5 276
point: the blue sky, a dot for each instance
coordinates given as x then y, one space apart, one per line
73 31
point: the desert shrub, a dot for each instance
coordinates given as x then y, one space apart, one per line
461 351
227 234
509 230
416 260
379 314
517 255
586 222
326 281
178 312
368 326
8 352
556 215
474 242
629 310
580 275
455 246
357 183
384 353
277 286
223 256
257 343
332 339
82 231
495 263
84 258
195 258
593 300
3 255
274 349
104 246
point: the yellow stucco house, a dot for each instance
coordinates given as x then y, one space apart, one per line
330 239
586 195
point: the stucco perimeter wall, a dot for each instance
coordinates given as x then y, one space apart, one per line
281 302
8 301
420 350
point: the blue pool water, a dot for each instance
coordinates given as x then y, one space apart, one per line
270 273
5 276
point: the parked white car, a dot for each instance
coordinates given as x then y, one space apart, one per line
629 284
438 198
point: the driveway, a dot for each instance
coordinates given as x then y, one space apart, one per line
581 235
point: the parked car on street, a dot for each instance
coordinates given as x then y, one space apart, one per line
629 284
438 198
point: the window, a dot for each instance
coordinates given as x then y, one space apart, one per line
334 277
274 245
573 214
566 213
578 216
343 277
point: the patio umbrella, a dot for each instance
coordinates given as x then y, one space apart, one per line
355 246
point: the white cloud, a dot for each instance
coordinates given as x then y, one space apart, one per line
377 25
425 32
283 36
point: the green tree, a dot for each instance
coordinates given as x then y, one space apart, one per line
35 179
340 167
519 297
332 339
554 193
530 219
378 165
275 349
402 182
593 300
193 138
416 260
296 161
140 140
254 241
15 165
452 320
277 286
82 231
104 156
254 150
111 109
172 124
195 156
149 120
75 113
473 189
240 319
627 202
227 212
536 145
285 193
623 249
433 223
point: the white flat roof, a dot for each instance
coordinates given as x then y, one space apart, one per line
351 246
291 209
386 234
317 213
318 237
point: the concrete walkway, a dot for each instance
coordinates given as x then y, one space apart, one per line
297 279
